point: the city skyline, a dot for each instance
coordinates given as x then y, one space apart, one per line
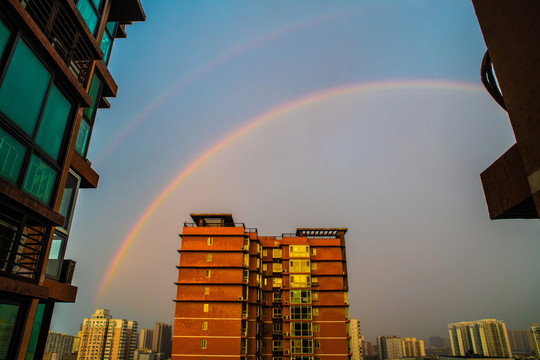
398 163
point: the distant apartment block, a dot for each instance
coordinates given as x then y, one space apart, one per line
390 347
486 337
413 348
520 341
356 340
105 338
535 338
241 295
162 339
59 344
145 338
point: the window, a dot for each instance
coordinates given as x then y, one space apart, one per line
69 198
346 297
265 267
315 295
301 329
91 13
36 329
204 325
208 257
316 328
298 251
302 346
300 296
276 312
277 345
300 281
210 241
207 273
265 252
277 253
245 275
205 307
277 328
264 312
89 115
299 266
264 297
276 282
300 312
207 290
203 343
315 281
107 41
276 297
11 324
56 256
315 311
313 265
313 251
31 101
276 267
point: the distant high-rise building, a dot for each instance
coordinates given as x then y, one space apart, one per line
105 338
535 338
413 348
267 297
356 340
59 344
486 337
520 341
367 348
390 347
145 338
161 338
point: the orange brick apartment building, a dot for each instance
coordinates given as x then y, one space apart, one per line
241 295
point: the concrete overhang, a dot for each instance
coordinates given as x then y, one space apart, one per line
126 10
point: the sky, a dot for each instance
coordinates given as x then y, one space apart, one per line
368 115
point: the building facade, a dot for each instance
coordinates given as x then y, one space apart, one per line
162 339
356 340
413 348
486 337
145 338
241 295
520 341
105 338
390 347
59 344
53 78
535 338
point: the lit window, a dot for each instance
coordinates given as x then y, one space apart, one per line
346 297
265 252
209 241
316 327
299 266
205 307
207 273
207 290
203 344
277 253
313 251
209 257
300 281
315 311
298 251
276 282
265 267
313 266
300 296
204 325
276 267
315 295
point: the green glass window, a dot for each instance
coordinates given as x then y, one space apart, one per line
53 123
24 88
35 332
40 179
9 313
12 155
68 199
107 41
56 255
83 138
94 92
4 37
89 14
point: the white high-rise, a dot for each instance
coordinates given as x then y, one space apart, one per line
356 339
487 337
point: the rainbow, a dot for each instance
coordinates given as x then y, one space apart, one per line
254 123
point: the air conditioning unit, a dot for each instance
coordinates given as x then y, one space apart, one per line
68 268
285 317
284 270
240 298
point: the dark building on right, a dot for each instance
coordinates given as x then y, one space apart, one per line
512 33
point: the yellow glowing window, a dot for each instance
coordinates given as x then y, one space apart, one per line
265 267
207 290
315 311
204 325
313 266
203 344
299 266
346 297
265 252
316 328
276 267
276 282
298 251
210 241
315 295
313 251
277 253
300 281
205 307
207 273
209 257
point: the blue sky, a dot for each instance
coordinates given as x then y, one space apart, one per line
399 167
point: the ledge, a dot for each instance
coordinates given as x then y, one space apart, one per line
89 178
60 292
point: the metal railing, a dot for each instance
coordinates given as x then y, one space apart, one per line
56 22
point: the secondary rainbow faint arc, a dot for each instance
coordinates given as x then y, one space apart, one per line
255 122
